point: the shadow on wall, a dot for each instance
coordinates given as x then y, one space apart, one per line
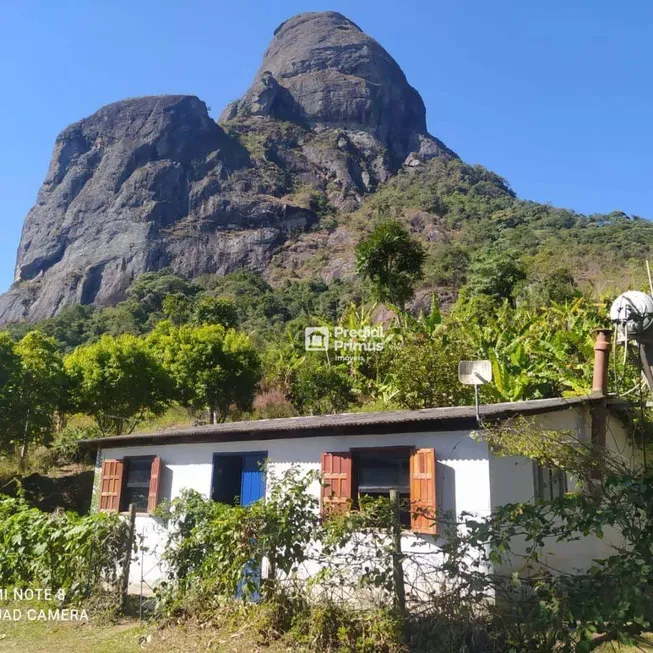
445 489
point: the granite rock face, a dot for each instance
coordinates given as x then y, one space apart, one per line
154 182
322 70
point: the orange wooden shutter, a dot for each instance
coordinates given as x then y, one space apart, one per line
336 476
153 494
422 491
111 485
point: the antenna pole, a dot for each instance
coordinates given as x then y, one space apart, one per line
650 282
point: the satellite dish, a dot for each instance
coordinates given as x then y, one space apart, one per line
632 312
474 372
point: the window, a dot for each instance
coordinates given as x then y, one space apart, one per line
377 471
136 488
238 479
130 480
349 475
550 483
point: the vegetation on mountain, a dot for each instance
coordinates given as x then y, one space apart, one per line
493 280
392 261
195 358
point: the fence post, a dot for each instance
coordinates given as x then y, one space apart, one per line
397 566
124 580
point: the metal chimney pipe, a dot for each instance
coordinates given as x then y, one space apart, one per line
602 348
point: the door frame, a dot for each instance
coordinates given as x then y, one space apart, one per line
224 454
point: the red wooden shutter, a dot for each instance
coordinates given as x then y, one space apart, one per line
155 475
336 477
422 491
111 485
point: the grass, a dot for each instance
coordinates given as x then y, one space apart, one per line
174 416
97 635
129 636
36 637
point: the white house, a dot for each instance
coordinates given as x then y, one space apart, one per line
429 455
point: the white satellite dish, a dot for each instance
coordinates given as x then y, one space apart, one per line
632 312
475 373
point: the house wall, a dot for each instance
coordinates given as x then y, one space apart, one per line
509 482
469 479
462 476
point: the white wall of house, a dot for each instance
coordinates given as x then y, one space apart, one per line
509 483
468 478
462 474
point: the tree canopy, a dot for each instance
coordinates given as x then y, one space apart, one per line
392 260
118 381
211 367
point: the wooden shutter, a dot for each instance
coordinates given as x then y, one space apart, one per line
111 485
155 476
422 491
336 478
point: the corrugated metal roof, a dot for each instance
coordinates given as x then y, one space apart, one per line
341 424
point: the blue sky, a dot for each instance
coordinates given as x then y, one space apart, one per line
555 96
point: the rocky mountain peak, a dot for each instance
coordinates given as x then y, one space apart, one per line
154 182
323 71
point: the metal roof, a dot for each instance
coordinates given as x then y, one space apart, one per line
429 419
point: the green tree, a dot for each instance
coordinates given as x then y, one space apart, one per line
71 327
42 384
496 276
124 317
10 375
318 388
392 260
424 372
151 288
556 287
215 310
118 381
212 367
177 308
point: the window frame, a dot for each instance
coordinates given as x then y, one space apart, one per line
403 491
356 451
126 461
555 489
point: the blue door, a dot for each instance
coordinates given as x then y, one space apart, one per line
252 486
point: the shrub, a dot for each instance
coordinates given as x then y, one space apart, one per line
216 549
425 373
59 551
318 388
272 404
65 447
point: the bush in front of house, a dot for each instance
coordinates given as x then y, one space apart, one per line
60 551
215 549
215 553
